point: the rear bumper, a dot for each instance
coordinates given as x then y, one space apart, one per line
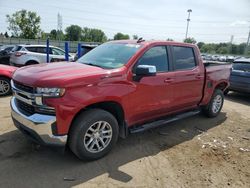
37 127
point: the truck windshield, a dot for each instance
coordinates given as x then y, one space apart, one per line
110 55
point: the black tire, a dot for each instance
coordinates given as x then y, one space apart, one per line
5 87
226 92
208 109
81 126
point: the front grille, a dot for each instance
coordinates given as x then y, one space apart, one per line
25 108
23 87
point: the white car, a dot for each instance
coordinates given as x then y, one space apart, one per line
35 54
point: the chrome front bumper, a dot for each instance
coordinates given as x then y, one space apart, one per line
38 127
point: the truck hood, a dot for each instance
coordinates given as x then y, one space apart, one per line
63 74
7 68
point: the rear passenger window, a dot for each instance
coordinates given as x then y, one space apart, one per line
41 50
156 56
31 49
183 58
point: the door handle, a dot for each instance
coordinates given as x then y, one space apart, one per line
168 80
198 76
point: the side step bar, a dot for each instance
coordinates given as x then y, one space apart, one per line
160 122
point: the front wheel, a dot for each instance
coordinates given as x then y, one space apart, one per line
5 88
93 134
213 108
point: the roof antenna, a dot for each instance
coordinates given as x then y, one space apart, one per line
140 40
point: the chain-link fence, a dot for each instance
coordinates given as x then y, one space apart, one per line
60 44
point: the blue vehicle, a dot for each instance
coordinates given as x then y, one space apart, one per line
240 76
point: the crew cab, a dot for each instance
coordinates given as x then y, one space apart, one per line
120 87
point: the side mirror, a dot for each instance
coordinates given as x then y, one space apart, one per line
145 70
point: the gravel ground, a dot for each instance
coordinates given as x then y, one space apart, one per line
195 152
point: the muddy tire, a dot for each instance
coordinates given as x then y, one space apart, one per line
213 108
93 134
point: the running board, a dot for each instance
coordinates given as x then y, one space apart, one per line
158 123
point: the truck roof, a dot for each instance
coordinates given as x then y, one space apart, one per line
154 42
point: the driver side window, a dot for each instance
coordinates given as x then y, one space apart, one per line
156 56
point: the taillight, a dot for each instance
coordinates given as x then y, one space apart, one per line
18 54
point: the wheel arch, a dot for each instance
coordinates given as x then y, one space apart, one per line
112 107
31 62
222 86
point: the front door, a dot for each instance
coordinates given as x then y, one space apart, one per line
152 94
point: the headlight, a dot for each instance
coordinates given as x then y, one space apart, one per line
50 92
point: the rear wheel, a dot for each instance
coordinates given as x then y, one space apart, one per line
93 134
5 88
213 108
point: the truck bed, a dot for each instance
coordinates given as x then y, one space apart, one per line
215 73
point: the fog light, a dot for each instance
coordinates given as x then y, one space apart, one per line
39 100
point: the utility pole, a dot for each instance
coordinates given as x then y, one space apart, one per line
231 44
248 43
188 20
59 26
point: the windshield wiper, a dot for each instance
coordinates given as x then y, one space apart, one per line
92 64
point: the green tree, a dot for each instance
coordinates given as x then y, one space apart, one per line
73 33
241 48
53 34
190 40
200 44
121 36
25 24
6 35
93 35
44 35
222 50
56 35
169 39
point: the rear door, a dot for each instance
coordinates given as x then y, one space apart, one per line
42 54
153 94
188 79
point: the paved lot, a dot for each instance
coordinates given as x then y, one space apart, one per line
195 152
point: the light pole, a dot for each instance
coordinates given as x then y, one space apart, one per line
188 20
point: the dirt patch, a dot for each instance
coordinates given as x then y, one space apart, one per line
195 152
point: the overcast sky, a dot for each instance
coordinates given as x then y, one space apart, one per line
211 20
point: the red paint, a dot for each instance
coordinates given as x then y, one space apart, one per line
7 71
152 97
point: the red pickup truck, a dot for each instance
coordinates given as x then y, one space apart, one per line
118 88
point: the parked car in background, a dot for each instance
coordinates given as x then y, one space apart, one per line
85 48
5 52
230 58
222 58
35 54
240 76
215 57
119 87
5 77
